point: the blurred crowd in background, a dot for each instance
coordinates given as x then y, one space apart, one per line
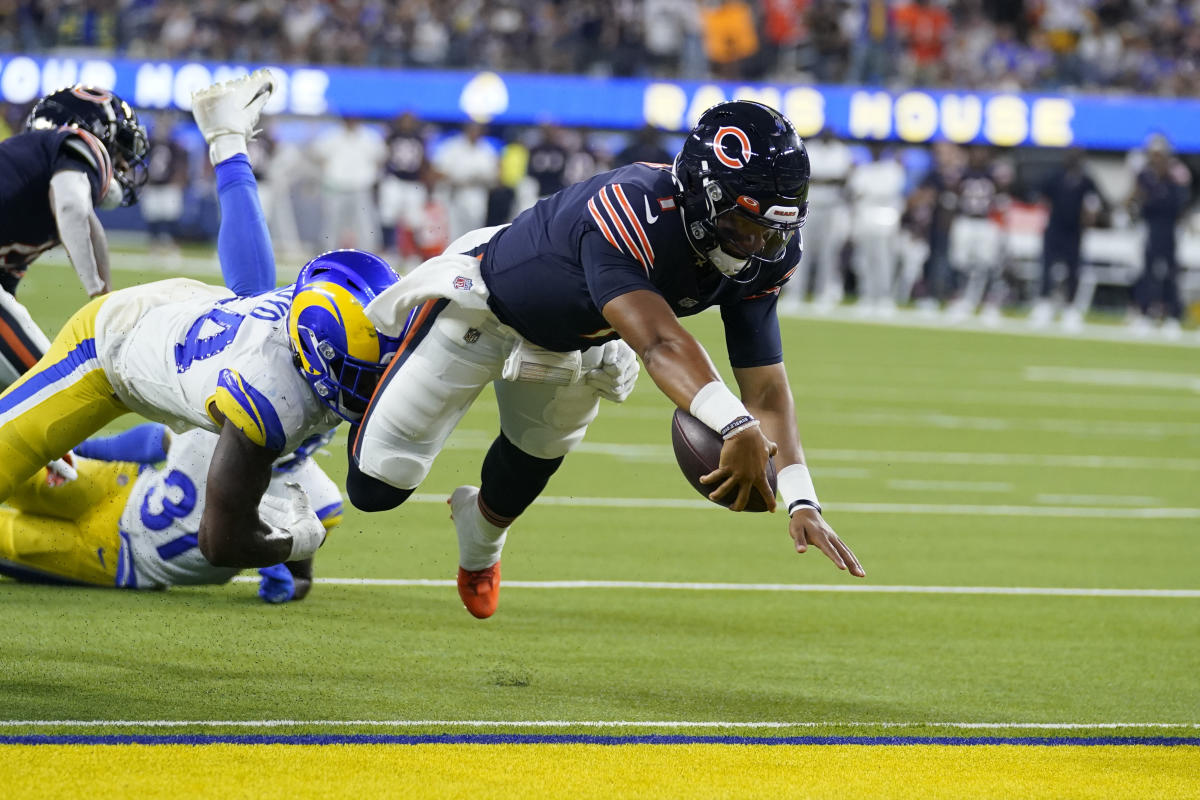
954 231
1144 46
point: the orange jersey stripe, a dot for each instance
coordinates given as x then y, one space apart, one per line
637 225
625 236
600 222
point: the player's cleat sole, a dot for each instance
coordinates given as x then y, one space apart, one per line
480 590
232 107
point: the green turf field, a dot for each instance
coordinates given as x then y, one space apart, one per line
956 464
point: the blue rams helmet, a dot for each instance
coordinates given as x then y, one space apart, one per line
337 349
742 177
110 119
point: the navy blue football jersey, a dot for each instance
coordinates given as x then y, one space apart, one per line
561 261
27 163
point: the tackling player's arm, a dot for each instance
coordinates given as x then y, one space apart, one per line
80 230
768 397
680 367
231 532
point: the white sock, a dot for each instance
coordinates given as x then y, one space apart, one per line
226 145
479 541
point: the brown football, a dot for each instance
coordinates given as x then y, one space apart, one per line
698 451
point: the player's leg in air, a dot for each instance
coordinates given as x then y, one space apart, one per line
227 114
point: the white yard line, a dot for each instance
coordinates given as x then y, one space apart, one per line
948 486
470 438
1118 499
1115 377
565 723
952 509
859 588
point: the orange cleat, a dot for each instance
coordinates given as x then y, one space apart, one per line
480 590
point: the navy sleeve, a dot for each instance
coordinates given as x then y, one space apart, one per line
609 272
752 331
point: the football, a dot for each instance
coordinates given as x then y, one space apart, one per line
698 452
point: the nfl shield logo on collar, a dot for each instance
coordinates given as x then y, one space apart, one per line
463 283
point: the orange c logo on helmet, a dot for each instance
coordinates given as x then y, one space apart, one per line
742 157
91 93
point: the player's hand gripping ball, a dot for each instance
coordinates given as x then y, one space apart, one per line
698 451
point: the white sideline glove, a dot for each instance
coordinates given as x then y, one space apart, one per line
293 516
614 379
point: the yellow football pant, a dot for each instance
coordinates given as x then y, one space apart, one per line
65 398
69 532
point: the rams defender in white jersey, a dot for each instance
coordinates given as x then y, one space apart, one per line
265 371
127 523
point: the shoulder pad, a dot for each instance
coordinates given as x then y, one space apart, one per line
92 151
249 410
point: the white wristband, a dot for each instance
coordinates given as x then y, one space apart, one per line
719 409
796 488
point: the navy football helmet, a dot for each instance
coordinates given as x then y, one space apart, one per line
107 117
337 349
742 177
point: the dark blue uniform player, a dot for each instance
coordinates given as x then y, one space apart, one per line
82 148
550 307
1161 196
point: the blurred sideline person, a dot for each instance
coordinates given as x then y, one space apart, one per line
975 238
821 272
265 368
1162 191
1074 202
403 194
470 167
166 179
876 189
82 148
551 309
351 158
128 524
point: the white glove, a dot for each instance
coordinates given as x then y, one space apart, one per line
614 379
60 471
293 517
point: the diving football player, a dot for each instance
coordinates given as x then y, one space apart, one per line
613 259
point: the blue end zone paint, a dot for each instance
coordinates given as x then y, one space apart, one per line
570 738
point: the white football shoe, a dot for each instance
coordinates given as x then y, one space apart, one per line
227 112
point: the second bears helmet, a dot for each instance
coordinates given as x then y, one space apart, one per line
110 119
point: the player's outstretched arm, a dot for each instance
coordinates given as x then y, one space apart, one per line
232 533
680 367
768 396
71 202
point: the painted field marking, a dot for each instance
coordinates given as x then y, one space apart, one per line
1114 377
1119 499
949 486
953 509
858 588
563 723
470 439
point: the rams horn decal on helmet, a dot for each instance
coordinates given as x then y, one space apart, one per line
338 350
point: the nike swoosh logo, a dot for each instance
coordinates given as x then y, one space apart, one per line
650 218
266 88
100 555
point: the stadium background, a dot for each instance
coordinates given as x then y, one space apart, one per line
1024 505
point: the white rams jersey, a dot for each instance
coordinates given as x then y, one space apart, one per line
162 515
186 353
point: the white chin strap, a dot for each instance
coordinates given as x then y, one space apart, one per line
726 264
